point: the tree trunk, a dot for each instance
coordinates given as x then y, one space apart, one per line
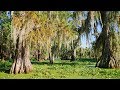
73 57
38 55
52 59
74 48
10 50
80 53
27 64
0 52
22 62
89 54
2 56
107 59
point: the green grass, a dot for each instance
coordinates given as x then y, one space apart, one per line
62 69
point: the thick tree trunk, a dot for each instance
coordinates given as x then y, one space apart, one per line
27 64
22 62
107 59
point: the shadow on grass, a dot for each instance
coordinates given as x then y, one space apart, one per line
5 66
55 63
65 63
87 60
5 70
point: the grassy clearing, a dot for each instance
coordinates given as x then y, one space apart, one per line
62 69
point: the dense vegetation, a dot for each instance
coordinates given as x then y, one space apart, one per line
55 36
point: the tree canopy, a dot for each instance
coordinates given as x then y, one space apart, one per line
57 35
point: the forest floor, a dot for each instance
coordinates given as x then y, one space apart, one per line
61 69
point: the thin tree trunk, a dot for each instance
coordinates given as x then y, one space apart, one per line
10 50
49 55
89 54
73 57
38 55
74 48
2 56
0 52
52 59
80 53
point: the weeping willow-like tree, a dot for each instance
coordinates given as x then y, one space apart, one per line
107 38
23 22
82 23
64 33
53 33
105 41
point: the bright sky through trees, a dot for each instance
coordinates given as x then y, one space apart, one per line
84 44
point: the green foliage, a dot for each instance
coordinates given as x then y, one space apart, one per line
5 35
5 66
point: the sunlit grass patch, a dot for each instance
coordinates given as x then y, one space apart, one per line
62 69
